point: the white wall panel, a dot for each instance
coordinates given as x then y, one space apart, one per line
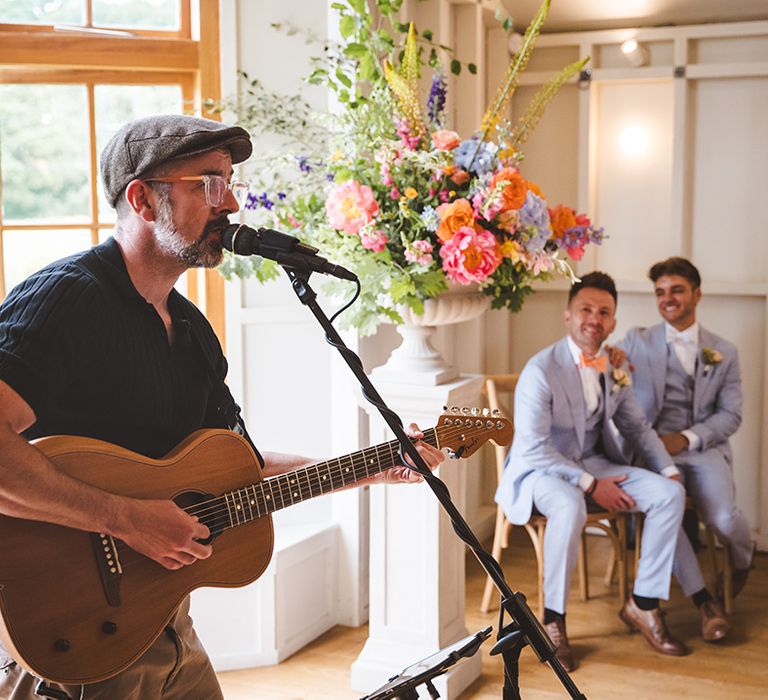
730 179
633 190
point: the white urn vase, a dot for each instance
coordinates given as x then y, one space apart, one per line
416 361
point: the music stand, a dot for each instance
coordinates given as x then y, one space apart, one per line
404 684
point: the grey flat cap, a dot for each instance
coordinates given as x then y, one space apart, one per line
143 144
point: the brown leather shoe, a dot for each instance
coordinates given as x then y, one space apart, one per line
650 623
714 625
556 632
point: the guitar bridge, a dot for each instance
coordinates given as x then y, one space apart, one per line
108 563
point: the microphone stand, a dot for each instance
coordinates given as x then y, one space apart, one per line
523 627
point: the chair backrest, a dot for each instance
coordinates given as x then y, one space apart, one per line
499 389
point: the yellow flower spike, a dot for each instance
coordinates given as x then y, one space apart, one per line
410 67
517 64
452 193
411 193
541 99
405 85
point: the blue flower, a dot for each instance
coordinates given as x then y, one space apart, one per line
265 201
303 163
534 219
479 160
281 196
430 218
436 99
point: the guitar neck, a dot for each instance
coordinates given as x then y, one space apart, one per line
257 500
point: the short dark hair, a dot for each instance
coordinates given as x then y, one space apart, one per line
676 266
594 280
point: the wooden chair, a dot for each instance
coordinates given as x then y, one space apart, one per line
613 524
711 541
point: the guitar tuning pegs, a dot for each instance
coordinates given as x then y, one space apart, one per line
465 411
475 411
454 409
445 408
486 412
496 413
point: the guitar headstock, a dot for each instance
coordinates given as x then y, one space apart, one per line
464 430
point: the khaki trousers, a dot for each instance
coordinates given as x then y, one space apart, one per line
175 667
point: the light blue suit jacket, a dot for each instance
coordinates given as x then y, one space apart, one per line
550 426
717 396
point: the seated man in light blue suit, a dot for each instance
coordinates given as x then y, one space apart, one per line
688 383
564 448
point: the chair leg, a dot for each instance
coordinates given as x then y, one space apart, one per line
583 577
727 579
499 541
639 520
709 535
621 535
610 569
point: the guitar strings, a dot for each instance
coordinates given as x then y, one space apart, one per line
358 462
306 476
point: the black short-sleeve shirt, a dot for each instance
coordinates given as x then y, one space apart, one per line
92 357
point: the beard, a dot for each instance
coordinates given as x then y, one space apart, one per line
206 251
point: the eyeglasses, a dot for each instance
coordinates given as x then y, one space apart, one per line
215 187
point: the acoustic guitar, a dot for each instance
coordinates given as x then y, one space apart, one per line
79 607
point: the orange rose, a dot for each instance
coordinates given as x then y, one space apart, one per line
460 177
561 218
513 194
533 187
445 140
453 216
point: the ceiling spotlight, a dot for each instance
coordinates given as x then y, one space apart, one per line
635 53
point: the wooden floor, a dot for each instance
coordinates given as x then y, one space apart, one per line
614 664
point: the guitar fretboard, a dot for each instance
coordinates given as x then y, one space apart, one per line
257 500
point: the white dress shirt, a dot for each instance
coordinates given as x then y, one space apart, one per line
686 346
591 389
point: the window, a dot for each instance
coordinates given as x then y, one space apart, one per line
71 73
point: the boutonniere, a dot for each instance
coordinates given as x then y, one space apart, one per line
710 357
621 379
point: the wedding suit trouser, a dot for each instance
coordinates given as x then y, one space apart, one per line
660 499
708 481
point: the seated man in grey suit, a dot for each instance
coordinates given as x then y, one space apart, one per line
688 383
564 448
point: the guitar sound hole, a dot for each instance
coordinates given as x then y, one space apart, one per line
187 499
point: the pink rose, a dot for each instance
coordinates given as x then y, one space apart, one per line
419 252
350 206
374 240
445 140
470 256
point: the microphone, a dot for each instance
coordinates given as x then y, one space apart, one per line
284 249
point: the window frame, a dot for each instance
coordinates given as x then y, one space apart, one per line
188 58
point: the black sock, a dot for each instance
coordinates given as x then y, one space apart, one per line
645 603
701 597
552 616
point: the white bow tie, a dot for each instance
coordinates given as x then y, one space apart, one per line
684 337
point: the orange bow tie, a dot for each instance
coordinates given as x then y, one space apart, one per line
600 363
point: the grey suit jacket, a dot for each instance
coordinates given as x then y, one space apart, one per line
550 424
717 396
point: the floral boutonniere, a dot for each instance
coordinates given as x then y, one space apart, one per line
621 379
710 358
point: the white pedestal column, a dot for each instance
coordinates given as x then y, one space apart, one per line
417 561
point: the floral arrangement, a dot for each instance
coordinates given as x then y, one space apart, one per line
710 357
621 379
383 188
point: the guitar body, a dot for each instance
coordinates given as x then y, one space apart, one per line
60 619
